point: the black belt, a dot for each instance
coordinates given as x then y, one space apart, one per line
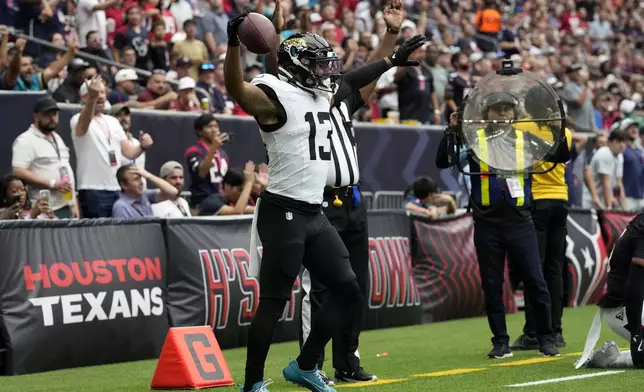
339 190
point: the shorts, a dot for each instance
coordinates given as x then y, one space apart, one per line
291 240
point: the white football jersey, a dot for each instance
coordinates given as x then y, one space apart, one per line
299 152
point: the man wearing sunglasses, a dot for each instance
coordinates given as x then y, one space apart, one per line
214 86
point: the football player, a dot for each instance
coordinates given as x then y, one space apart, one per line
292 112
621 306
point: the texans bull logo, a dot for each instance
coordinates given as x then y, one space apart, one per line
587 259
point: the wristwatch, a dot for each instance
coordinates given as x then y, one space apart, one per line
393 31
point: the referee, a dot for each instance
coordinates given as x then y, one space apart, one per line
344 207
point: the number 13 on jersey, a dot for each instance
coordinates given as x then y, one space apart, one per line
324 120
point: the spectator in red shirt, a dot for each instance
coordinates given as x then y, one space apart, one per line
153 12
187 101
114 20
328 14
158 91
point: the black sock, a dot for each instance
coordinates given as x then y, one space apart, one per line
332 315
634 298
260 337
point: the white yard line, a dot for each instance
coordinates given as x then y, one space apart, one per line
562 379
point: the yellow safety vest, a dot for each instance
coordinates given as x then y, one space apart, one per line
484 157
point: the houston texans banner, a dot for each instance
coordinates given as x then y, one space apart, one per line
613 223
587 258
78 293
209 283
446 269
394 298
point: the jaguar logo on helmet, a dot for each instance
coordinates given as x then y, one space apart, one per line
307 61
295 43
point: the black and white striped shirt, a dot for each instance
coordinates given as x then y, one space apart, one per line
344 169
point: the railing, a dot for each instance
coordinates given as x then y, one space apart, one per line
100 60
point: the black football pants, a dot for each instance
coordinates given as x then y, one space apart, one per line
351 223
291 240
550 219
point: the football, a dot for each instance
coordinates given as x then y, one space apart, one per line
257 33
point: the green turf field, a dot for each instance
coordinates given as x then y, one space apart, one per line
432 349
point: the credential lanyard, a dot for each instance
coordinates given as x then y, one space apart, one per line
181 209
108 133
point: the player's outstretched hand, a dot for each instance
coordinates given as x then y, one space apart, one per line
400 57
233 28
637 351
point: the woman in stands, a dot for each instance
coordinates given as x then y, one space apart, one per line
16 205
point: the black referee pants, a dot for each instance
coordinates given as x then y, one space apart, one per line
351 223
550 219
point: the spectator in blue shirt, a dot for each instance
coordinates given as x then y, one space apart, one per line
134 202
21 76
423 198
633 167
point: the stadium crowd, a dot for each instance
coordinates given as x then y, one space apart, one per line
590 52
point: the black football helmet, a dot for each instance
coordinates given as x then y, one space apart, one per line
308 61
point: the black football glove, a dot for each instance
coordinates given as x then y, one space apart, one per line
399 58
637 351
233 28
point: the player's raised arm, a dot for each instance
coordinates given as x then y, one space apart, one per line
250 98
363 76
278 23
393 15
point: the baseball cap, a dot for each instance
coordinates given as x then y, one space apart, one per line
169 167
125 75
315 18
624 124
186 83
77 65
475 57
627 106
407 24
327 26
45 104
184 62
573 68
116 109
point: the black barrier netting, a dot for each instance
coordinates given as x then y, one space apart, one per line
391 157
76 293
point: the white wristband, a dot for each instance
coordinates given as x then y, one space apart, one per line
52 184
